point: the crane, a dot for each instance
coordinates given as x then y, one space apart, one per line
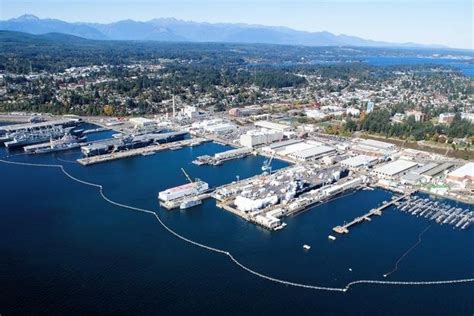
187 175
267 165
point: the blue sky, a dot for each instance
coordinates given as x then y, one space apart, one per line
421 21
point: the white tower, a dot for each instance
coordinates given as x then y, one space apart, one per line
174 107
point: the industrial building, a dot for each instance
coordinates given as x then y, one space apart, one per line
273 148
273 126
437 170
191 112
359 161
462 174
221 129
394 168
260 137
139 122
416 176
246 111
425 168
338 188
215 126
312 153
373 147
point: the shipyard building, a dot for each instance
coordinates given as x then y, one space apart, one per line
260 137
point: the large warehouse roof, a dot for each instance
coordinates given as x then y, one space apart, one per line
377 144
425 168
464 172
358 161
395 167
312 152
272 125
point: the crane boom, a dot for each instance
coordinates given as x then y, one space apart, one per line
187 175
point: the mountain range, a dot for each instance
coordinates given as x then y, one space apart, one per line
171 29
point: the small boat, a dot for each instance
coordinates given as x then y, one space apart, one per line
331 237
306 247
189 203
148 153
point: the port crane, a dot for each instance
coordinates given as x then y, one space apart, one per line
187 175
267 165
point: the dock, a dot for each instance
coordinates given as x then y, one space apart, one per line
220 158
138 151
176 203
38 126
344 229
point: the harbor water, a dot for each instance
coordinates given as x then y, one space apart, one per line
65 250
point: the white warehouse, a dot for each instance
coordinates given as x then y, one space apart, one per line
394 168
260 137
312 153
273 126
359 161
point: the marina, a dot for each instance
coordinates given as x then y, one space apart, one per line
438 212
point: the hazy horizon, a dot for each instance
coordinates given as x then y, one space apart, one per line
427 22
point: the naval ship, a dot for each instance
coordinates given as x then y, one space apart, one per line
20 139
66 142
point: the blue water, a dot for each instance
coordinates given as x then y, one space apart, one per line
466 68
65 250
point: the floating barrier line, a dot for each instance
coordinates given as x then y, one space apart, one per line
227 253
66 160
407 252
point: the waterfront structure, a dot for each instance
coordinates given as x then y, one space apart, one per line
189 189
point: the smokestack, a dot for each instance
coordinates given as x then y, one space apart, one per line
174 107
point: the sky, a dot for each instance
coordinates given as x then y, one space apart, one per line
442 22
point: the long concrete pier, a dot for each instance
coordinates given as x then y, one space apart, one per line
344 229
138 151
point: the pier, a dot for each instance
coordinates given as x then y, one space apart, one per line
138 151
220 158
344 229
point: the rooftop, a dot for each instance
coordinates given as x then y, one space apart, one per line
395 167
